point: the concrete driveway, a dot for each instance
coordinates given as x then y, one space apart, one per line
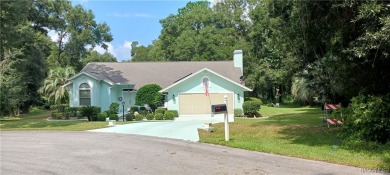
183 127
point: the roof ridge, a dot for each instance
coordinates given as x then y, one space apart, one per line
163 62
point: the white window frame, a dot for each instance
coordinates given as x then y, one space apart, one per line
84 89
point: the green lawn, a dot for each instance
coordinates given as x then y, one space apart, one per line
298 132
37 120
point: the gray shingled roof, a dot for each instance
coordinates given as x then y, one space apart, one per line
161 73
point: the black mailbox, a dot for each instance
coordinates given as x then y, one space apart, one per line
218 108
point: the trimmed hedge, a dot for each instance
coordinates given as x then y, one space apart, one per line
250 107
114 117
254 99
102 116
139 117
130 117
160 110
57 115
169 115
149 116
175 112
159 116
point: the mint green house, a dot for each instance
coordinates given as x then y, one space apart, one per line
189 87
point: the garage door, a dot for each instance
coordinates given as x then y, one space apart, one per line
201 104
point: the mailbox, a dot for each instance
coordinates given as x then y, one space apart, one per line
218 108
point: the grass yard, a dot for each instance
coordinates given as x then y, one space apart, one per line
37 120
298 132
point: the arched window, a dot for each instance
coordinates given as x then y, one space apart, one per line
85 94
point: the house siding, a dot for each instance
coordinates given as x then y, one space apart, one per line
102 93
194 85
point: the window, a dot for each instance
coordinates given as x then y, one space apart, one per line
85 94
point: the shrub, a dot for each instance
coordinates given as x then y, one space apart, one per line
176 114
102 116
57 115
90 112
139 117
250 107
73 111
160 110
114 117
238 112
149 94
114 108
169 115
270 104
149 116
59 107
133 109
254 99
368 119
130 117
159 116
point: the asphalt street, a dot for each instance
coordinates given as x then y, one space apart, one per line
63 152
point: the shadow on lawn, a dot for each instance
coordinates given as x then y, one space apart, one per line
319 135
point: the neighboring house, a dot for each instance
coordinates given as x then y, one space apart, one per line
189 87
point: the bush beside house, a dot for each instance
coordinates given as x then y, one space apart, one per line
149 116
251 108
169 115
159 116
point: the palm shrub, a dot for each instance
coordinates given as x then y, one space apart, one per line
89 111
169 115
159 116
139 117
52 86
149 116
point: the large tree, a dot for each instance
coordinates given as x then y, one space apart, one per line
198 33
94 56
23 49
76 30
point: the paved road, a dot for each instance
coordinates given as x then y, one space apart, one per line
61 152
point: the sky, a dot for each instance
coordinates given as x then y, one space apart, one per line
131 20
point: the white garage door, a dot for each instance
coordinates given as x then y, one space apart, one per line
201 104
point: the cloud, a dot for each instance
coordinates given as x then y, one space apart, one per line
121 52
132 15
53 35
214 2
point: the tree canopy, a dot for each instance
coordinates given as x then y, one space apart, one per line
27 52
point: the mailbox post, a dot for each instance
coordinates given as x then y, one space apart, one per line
226 120
222 109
